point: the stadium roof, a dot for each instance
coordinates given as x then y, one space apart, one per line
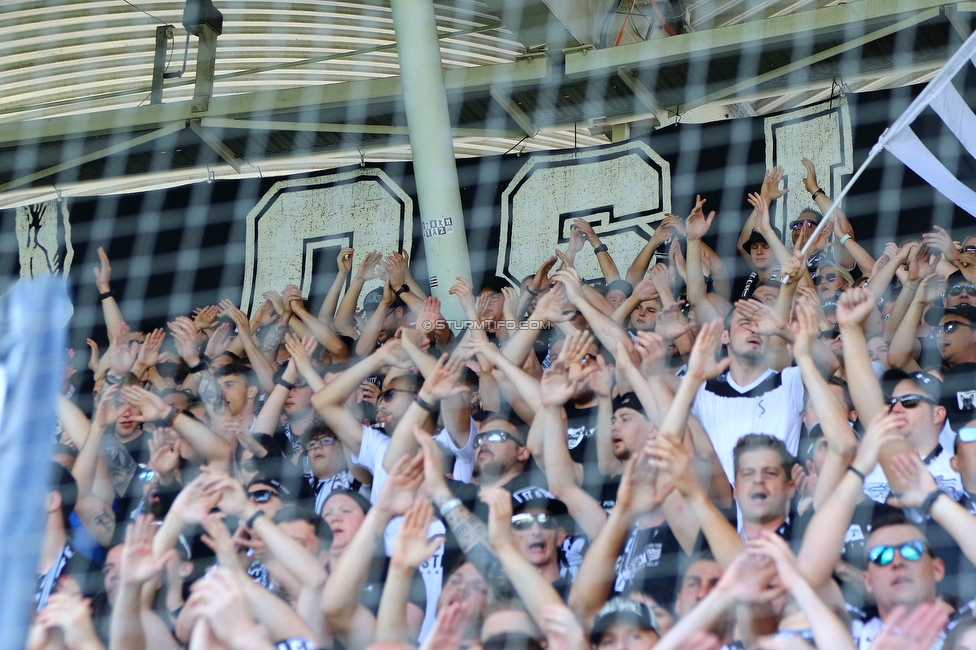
312 84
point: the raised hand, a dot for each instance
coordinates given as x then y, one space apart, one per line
646 290
71 613
661 277
697 223
759 203
751 579
219 341
642 486
264 315
775 548
122 352
271 296
510 304
149 350
541 279
434 484
344 261
922 263
151 407
218 539
555 388
567 258
429 315
138 565
465 295
702 364
806 329
671 322
666 453
770 185
941 241
448 629
553 306
930 288
221 602
396 269
412 547
400 488
499 502
562 629
103 273
444 380
203 317
197 498
916 480
240 320
810 180
768 322
916 631
301 352
652 349
292 297
93 360
164 458
883 429
854 306
584 226
569 279
576 239
367 268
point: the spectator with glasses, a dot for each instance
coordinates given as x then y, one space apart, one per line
959 291
538 532
327 468
831 280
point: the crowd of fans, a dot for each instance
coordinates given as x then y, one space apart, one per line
669 457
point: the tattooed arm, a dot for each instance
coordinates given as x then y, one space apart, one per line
471 533
270 337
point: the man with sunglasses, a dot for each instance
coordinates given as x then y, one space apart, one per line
915 396
959 291
955 335
538 532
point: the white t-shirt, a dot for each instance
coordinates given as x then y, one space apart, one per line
865 632
773 404
463 456
876 483
370 457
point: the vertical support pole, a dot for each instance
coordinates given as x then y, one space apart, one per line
206 63
163 33
619 132
432 149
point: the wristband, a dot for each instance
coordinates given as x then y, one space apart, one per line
531 292
168 419
851 468
254 517
926 506
287 384
107 294
602 248
197 368
403 289
817 193
424 404
449 505
113 379
843 240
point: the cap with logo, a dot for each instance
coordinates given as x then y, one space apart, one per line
620 609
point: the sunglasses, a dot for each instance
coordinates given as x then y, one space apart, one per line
953 325
969 249
800 223
495 435
524 521
830 335
957 289
319 442
885 555
261 496
387 395
829 277
909 401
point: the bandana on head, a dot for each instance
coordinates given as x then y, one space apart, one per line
628 401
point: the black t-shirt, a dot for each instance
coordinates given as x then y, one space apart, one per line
373 589
654 553
959 394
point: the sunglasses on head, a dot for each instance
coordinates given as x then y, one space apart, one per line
261 496
829 277
800 223
319 442
909 401
388 394
957 289
885 555
494 435
953 325
524 521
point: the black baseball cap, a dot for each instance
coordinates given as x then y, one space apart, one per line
628 401
621 609
928 384
934 315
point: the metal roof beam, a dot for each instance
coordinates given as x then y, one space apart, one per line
527 71
502 97
712 43
87 158
325 127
